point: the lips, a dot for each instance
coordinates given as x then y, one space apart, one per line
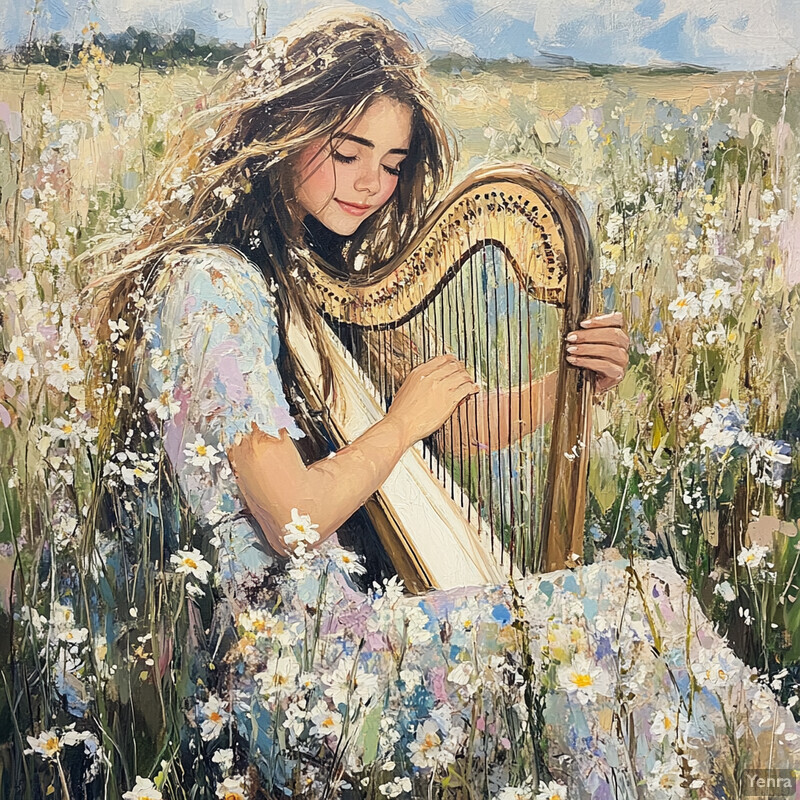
356 209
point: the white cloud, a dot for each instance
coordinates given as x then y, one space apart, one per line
732 33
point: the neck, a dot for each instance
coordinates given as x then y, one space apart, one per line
324 242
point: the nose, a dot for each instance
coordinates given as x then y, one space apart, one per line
368 180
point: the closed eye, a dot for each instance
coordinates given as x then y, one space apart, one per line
343 159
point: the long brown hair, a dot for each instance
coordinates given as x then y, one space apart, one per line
308 82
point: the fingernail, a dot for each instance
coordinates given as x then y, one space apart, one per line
571 349
572 337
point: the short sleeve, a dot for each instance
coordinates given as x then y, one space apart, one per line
209 366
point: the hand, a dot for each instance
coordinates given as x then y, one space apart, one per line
429 395
601 346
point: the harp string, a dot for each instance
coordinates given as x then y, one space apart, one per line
506 338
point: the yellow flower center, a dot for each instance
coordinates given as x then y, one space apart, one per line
431 740
66 367
68 428
51 745
667 723
20 354
215 716
190 562
201 449
582 679
259 626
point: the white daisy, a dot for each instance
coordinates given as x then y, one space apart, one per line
165 405
47 744
341 683
717 294
685 306
300 532
201 454
191 562
324 721
396 787
215 718
280 675
232 789
346 560
664 725
21 365
64 371
227 194
583 679
552 791
752 556
144 789
224 758
426 748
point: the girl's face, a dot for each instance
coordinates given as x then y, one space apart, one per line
343 181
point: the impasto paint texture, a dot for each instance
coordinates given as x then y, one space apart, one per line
164 631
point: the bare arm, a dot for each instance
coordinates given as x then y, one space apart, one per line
273 479
486 417
599 346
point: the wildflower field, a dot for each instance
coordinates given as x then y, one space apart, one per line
692 184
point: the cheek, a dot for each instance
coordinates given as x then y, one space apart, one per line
316 183
388 186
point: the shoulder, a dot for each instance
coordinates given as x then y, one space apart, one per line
222 265
217 275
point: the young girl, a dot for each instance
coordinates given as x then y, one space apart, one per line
328 141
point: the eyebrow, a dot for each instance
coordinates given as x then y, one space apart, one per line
367 143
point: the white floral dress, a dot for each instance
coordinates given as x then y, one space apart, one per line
602 682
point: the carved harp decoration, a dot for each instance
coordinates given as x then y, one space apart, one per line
498 274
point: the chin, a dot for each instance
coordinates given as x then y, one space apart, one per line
345 227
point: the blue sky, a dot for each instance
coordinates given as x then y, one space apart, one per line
725 34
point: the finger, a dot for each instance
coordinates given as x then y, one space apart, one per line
612 320
602 385
455 382
451 369
434 365
468 386
599 366
464 391
605 335
446 358
615 355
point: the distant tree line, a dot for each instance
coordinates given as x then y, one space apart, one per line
132 46
149 49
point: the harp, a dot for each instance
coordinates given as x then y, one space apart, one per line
497 275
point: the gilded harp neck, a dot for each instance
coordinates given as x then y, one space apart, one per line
548 247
